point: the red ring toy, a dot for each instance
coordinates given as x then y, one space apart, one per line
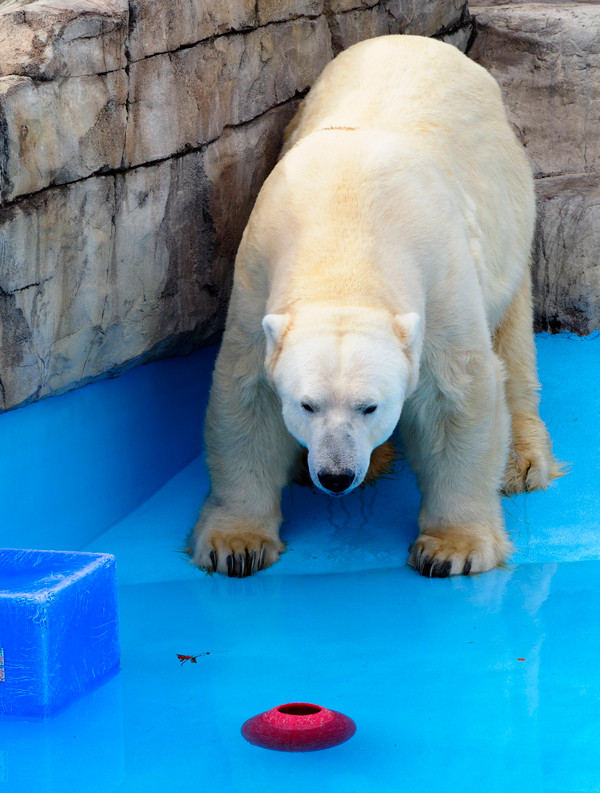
298 727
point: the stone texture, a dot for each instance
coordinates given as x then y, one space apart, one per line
159 26
45 39
223 82
546 58
350 27
279 10
428 17
60 131
94 278
476 3
50 247
110 271
566 271
459 37
236 165
166 25
352 21
341 6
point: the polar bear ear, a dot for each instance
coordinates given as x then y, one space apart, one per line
406 328
274 326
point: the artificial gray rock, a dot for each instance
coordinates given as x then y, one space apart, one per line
95 278
280 10
60 131
546 58
45 39
218 83
236 166
566 266
114 270
52 247
166 25
352 21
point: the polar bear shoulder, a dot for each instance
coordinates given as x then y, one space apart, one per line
447 108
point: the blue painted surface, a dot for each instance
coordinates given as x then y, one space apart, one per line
428 669
72 465
59 633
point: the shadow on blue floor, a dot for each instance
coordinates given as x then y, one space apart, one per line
489 683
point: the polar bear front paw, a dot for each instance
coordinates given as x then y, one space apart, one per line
237 551
441 553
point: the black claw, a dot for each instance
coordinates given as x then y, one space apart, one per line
261 561
241 564
230 566
430 567
417 561
213 559
252 562
442 569
436 568
467 567
425 565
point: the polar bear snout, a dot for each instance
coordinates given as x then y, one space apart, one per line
336 483
337 458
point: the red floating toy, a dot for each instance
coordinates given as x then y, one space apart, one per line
298 727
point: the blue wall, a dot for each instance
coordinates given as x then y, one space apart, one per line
72 465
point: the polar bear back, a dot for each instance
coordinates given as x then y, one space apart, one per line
402 83
450 109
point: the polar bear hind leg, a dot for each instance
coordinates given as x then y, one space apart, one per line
531 465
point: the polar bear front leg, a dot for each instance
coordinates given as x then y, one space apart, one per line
249 455
458 447
228 542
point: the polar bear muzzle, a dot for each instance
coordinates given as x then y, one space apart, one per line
337 484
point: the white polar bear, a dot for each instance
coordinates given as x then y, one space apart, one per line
383 278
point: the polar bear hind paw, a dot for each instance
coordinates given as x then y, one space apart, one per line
236 555
449 552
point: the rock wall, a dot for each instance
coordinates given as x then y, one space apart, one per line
546 57
134 137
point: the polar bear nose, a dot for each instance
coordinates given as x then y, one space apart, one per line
336 483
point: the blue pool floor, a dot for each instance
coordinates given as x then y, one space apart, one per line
487 683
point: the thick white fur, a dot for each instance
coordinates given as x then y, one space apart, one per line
385 266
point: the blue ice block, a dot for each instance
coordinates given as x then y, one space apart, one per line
58 628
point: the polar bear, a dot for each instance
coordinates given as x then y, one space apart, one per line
382 280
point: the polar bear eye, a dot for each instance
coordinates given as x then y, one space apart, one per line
307 407
369 409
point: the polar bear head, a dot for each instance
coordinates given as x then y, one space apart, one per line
342 377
